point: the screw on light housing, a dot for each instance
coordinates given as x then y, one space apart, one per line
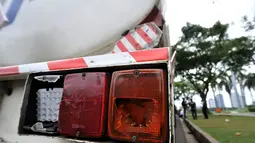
136 72
77 133
133 138
83 76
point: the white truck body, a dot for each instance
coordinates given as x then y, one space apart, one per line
58 29
67 28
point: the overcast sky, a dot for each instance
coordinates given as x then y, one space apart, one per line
206 13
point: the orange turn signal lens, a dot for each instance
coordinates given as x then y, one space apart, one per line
137 106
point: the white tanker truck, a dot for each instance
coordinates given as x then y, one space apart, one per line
85 71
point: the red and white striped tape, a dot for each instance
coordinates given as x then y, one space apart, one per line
85 62
173 59
145 36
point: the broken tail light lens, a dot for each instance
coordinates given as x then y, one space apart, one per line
83 109
138 106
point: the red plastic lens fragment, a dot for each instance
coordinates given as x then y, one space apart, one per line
83 108
138 106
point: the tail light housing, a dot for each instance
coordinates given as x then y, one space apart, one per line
83 108
138 106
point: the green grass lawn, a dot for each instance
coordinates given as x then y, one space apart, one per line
225 132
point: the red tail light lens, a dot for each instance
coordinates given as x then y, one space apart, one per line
137 108
83 108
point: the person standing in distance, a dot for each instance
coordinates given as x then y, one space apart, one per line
184 106
193 109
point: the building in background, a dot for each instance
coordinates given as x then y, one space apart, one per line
211 103
244 100
238 101
220 101
234 97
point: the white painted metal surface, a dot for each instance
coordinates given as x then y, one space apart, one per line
9 117
3 18
46 30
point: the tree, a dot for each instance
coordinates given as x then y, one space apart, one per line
241 80
239 55
250 84
226 83
249 24
213 87
205 55
219 83
183 89
200 55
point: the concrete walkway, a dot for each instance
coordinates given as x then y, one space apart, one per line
182 133
237 114
179 132
189 136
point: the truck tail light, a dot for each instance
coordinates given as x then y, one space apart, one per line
83 108
138 106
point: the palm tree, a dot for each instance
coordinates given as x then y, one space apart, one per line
233 80
213 87
241 78
250 84
227 84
